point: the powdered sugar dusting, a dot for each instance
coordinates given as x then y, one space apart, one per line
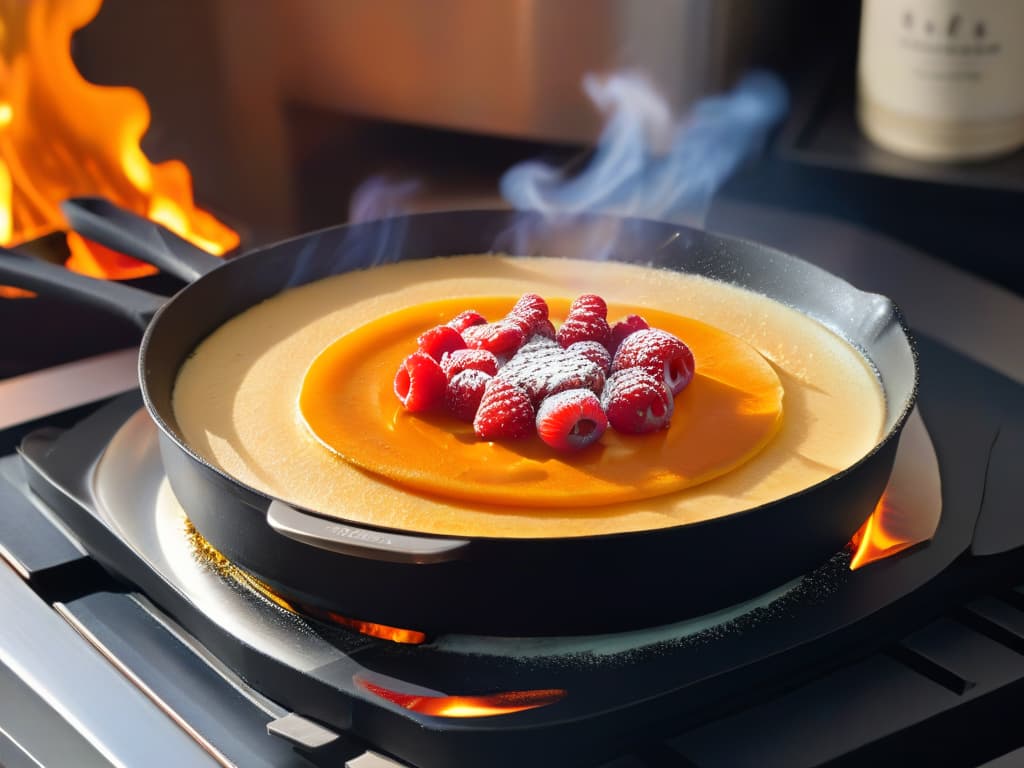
542 368
571 397
505 412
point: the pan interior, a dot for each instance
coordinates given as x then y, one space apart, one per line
235 397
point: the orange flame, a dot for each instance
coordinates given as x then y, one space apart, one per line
62 137
10 292
204 550
465 706
383 631
881 536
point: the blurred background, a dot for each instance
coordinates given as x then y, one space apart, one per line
296 115
281 109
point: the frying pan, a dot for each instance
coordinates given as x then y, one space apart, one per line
480 585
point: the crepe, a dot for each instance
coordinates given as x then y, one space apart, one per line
235 398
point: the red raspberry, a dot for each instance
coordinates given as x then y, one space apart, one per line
660 354
464 320
505 412
590 302
571 420
583 326
420 383
466 359
627 325
462 397
528 313
439 340
545 328
529 304
586 321
501 339
594 352
636 402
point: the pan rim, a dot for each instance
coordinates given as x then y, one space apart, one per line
896 419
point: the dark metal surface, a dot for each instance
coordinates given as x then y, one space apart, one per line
915 700
333 536
35 735
133 304
233 726
100 220
999 528
28 542
70 678
977 318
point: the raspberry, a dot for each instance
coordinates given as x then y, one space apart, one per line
505 412
660 354
462 396
528 304
440 340
542 368
528 313
544 328
571 420
594 352
420 383
587 321
590 302
636 402
583 326
627 325
501 339
464 320
519 374
466 359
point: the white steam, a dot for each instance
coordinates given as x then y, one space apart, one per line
649 163
379 197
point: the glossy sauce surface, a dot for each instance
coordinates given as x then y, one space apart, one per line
728 413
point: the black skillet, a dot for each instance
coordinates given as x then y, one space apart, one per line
500 586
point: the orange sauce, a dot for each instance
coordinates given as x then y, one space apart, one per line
727 414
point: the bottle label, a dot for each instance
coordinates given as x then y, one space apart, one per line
951 60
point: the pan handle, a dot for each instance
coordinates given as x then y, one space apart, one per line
136 305
98 219
361 542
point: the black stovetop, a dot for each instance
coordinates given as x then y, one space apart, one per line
902 657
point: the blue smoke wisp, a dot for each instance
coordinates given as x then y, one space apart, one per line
646 164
